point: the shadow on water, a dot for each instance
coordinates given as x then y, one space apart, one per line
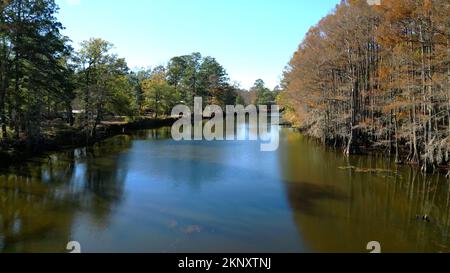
304 196
42 197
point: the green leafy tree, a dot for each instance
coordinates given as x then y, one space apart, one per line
195 76
160 96
136 78
104 79
240 100
183 74
212 76
263 94
32 69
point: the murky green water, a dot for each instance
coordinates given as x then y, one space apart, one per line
147 193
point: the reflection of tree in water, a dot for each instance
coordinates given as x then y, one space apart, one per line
340 210
40 199
304 196
163 133
428 195
104 175
335 220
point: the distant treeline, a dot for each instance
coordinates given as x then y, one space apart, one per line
43 79
376 77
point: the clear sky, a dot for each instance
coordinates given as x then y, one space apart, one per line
252 39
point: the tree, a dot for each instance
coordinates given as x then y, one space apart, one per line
160 96
136 79
195 76
223 95
5 64
32 64
42 78
212 76
240 100
263 94
183 74
104 79
376 77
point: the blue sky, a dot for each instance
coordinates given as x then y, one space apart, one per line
251 38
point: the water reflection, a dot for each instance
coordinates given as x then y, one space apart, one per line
306 196
144 192
40 198
349 202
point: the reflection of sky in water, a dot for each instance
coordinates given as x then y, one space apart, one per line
198 196
147 193
78 179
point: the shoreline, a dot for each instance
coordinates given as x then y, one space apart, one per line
365 151
20 150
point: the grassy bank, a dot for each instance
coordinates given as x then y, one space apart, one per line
61 136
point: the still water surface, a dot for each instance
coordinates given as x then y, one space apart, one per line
146 193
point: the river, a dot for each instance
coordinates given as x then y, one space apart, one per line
144 192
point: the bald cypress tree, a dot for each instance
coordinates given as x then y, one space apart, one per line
376 77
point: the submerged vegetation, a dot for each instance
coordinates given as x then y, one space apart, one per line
377 77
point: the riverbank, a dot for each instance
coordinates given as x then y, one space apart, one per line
65 137
289 119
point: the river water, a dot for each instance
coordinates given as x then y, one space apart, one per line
147 193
